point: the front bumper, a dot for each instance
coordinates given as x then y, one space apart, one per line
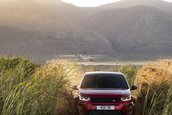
123 108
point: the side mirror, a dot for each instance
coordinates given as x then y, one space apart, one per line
75 87
133 87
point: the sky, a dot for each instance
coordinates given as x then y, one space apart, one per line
84 3
94 3
89 3
168 0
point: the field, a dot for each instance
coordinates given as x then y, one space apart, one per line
27 88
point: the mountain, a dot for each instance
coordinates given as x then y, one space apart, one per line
136 31
44 30
162 5
40 32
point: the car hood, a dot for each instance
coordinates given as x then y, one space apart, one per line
105 92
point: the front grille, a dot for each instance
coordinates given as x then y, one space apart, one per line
105 100
105 113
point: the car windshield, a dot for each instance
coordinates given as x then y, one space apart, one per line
116 81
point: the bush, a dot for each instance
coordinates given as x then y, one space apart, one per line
154 89
130 72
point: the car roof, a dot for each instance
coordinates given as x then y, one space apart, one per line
103 72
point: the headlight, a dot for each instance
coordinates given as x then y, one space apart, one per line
84 98
126 98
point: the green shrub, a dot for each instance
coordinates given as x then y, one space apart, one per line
10 63
130 72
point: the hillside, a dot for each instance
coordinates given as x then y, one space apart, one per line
136 31
43 30
43 33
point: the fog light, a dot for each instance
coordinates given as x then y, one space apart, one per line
126 98
84 98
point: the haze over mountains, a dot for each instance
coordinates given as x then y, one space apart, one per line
124 30
160 4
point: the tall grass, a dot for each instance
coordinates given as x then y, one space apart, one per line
154 89
168 103
12 72
30 89
38 91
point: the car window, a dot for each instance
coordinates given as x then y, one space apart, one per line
104 81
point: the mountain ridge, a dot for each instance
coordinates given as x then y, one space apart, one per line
165 6
44 31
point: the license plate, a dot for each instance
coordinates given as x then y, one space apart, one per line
105 107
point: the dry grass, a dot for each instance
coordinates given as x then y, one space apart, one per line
154 88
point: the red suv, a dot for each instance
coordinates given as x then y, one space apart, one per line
105 93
